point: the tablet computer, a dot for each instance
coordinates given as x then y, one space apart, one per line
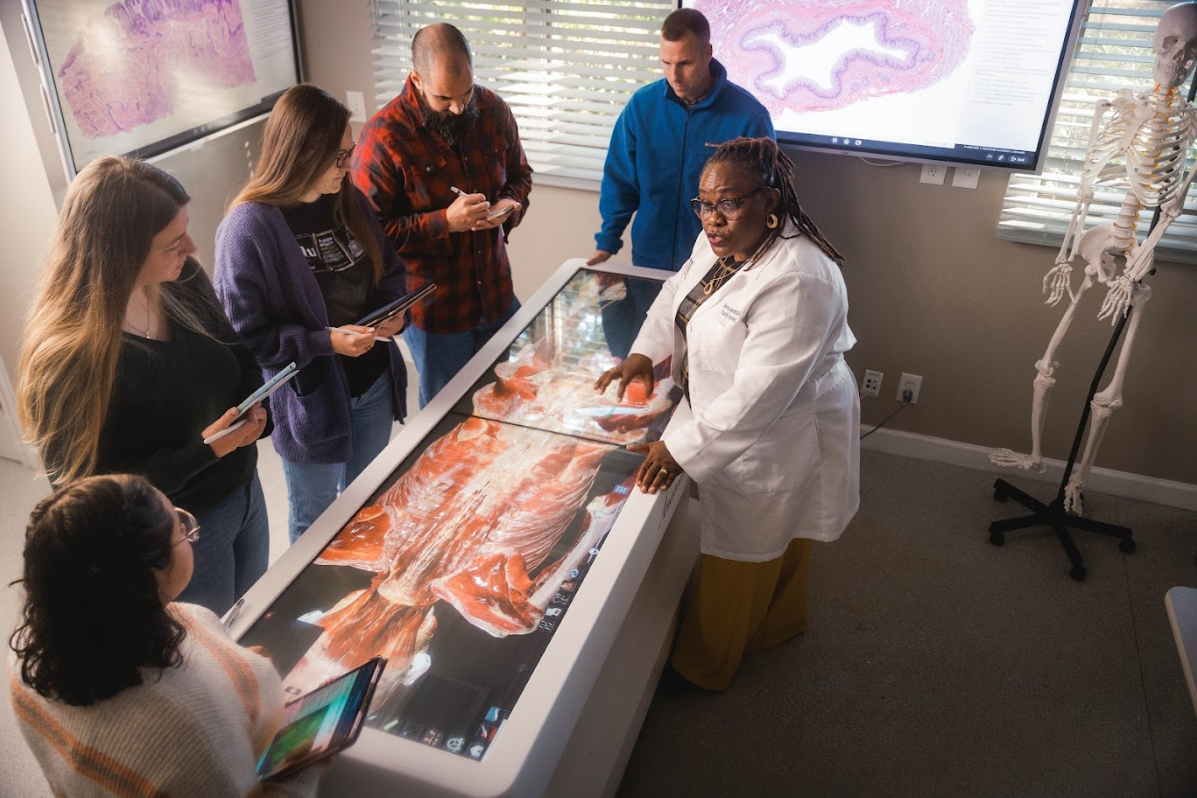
321 723
377 317
501 211
285 375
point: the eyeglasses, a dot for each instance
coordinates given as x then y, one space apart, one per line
190 524
728 208
343 156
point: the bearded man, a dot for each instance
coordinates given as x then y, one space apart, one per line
443 166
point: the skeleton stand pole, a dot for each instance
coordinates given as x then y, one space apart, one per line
1053 515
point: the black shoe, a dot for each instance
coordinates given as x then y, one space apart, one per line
673 682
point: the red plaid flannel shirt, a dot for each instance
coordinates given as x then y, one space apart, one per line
406 172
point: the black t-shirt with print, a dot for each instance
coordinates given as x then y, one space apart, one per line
342 271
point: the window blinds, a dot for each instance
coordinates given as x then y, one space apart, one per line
1114 52
566 68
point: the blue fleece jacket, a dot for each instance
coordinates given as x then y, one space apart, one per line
654 161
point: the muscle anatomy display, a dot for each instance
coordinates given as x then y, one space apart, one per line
493 522
480 509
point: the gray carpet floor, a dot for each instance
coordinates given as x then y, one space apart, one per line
934 663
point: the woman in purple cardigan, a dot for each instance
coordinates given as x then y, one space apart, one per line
300 258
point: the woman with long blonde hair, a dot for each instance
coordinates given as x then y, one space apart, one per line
300 258
127 365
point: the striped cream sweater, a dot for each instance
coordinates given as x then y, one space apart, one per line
197 732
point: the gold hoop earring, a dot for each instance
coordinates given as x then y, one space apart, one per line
771 221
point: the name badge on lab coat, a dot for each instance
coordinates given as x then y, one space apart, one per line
729 315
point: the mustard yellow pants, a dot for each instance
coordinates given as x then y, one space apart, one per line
738 607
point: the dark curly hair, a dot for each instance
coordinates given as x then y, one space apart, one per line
93 619
765 159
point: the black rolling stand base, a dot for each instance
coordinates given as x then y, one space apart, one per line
1053 515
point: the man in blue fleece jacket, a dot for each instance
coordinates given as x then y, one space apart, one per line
658 148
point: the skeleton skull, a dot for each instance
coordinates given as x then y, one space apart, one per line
1175 44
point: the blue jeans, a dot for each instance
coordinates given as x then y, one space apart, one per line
312 487
233 549
439 356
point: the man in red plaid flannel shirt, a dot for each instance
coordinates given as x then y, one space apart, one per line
443 166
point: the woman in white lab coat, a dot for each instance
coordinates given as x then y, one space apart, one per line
756 322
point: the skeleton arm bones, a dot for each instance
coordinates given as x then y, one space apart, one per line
1057 281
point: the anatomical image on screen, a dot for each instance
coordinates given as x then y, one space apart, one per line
466 560
965 81
144 77
547 379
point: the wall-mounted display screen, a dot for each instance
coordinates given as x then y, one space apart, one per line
464 562
143 78
974 82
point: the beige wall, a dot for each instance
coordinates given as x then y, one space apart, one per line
24 187
932 291
27 199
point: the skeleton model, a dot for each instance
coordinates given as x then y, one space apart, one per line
1150 133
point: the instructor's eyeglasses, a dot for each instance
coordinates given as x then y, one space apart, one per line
728 208
343 156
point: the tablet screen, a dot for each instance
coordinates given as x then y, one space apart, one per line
321 722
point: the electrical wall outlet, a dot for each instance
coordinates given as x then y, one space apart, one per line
871 384
933 173
909 383
356 103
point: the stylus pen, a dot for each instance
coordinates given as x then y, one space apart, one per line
234 426
351 332
458 191
233 612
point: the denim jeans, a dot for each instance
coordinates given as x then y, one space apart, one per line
312 487
233 549
439 356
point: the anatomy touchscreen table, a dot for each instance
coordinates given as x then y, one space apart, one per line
466 557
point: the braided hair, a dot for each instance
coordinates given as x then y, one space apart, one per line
764 158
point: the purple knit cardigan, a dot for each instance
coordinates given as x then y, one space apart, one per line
275 305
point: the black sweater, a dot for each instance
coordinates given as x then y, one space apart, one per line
167 392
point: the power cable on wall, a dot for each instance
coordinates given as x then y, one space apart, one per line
901 407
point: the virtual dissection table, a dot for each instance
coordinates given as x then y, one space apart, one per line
498 556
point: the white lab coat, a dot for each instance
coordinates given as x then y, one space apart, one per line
774 443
